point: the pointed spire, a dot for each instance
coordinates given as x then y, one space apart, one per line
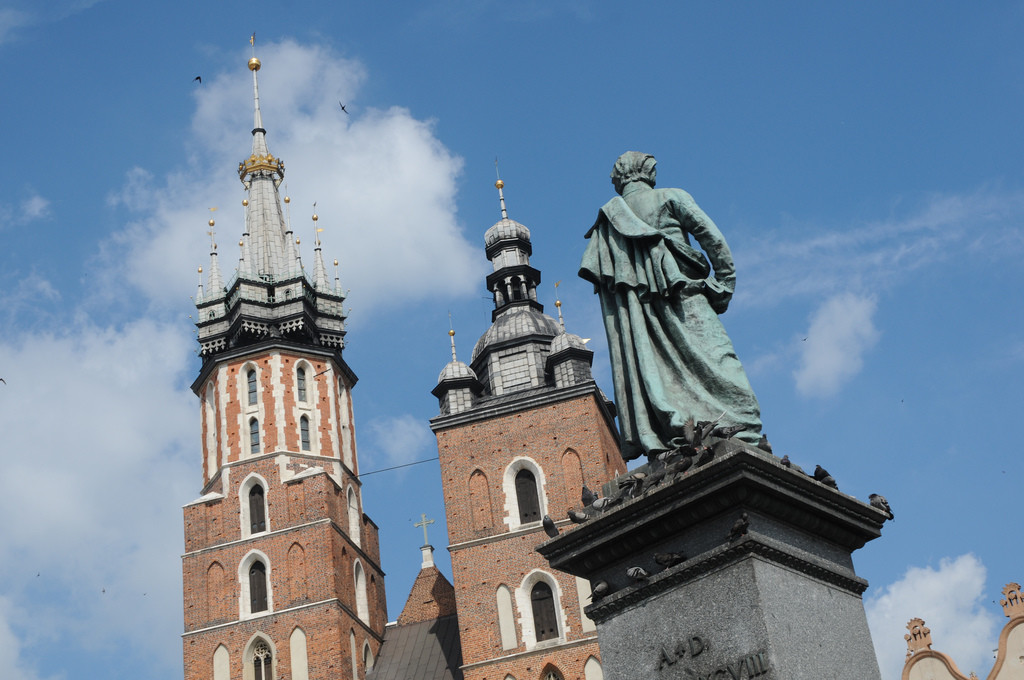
216 283
499 185
261 174
558 306
199 291
319 270
337 279
451 334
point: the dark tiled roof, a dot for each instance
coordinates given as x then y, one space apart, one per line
428 650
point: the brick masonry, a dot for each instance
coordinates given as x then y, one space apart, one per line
571 443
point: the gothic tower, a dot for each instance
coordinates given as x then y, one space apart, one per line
281 568
522 429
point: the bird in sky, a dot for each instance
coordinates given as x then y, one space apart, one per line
3 381
342 107
199 78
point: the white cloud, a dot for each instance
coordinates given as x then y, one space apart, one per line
11 645
35 207
401 439
98 438
832 352
877 255
950 599
383 183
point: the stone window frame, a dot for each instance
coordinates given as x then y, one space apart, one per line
354 515
248 672
251 480
525 606
212 422
508 484
244 603
221 663
361 590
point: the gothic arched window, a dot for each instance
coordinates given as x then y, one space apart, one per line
300 378
254 436
257 512
262 662
257 588
526 497
545 623
251 377
304 432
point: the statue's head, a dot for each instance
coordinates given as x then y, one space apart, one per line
633 166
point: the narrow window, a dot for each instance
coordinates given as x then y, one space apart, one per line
304 431
257 515
252 387
258 587
262 662
526 496
544 621
254 436
300 375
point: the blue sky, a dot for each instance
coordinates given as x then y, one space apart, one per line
863 161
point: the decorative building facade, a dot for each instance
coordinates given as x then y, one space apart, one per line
523 427
281 569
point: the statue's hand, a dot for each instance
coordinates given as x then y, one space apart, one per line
718 295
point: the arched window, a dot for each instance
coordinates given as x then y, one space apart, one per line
257 587
299 654
353 516
257 510
300 379
304 432
262 662
551 673
254 435
362 604
545 622
592 670
353 654
526 496
367 657
221 664
251 377
506 618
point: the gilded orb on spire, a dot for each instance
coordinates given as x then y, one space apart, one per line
210 223
254 64
499 184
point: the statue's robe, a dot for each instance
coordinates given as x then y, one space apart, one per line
671 357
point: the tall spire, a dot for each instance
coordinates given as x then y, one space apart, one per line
215 282
320 281
261 174
499 185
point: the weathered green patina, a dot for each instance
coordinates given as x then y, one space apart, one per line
671 357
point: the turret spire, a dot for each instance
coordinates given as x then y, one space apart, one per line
320 281
215 282
499 185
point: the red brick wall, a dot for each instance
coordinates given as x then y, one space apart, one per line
543 434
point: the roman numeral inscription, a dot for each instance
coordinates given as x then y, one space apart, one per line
687 651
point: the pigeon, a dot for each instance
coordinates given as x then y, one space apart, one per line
605 502
637 573
600 589
199 79
669 559
763 444
578 517
727 432
822 475
681 465
705 456
343 107
739 527
588 496
791 465
879 502
549 527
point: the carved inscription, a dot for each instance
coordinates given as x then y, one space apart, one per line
686 651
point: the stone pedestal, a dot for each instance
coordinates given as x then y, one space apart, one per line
777 598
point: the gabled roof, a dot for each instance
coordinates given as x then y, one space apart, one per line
431 597
427 650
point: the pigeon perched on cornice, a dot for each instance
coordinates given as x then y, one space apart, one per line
578 517
739 527
879 502
599 590
822 475
669 559
549 527
588 496
637 573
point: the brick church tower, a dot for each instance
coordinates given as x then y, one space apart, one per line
281 569
522 428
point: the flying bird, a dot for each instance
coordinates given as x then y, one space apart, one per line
199 78
878 501
549 527
3 381
342 107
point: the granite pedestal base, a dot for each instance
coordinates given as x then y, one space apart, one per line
774 598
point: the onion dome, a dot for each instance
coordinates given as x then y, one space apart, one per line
506 230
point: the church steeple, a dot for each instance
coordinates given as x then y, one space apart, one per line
514 282
271 296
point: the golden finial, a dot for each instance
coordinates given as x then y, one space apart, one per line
200 270
558 305
241 243
254 64
335 263
499 185
211 223
451 335
297 241
245 202
315 217
287 199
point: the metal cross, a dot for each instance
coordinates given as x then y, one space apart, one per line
424 524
